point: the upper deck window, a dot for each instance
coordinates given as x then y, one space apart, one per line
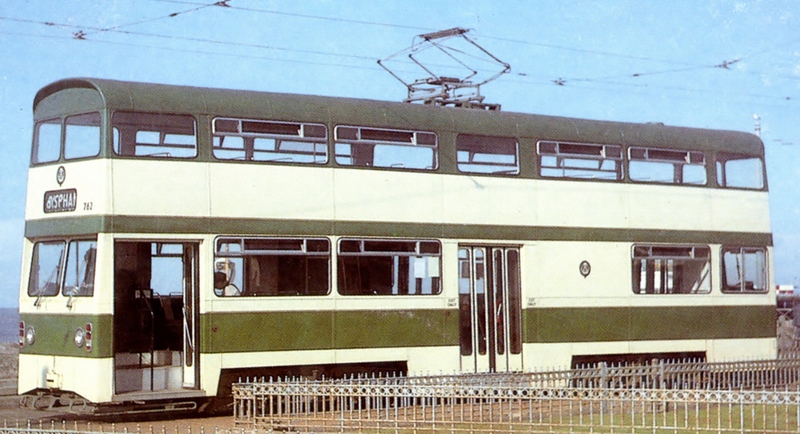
485 154
667 166
154 135
399 149
579 160
47 141
280 142
81 137
740 171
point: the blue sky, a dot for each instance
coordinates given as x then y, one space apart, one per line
700 63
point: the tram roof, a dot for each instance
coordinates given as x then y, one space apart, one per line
148 97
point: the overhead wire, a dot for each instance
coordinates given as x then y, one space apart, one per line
297 15
159 18
82 34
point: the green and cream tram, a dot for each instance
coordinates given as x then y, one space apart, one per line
179 238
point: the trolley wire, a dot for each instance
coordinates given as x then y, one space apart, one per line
297 15
82 33
149 20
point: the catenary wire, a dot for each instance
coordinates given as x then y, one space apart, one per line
116 29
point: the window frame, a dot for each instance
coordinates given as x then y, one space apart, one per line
304 251
605 152
477 140
65 137
277 136
37 142
63 128
742 250
392 138
690 158
116 144
64 257
672 256
91 285
422 250
722 170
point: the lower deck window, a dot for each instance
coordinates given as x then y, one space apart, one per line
744 269
671 269
389 267
263 267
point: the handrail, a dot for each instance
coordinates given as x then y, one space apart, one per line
152 340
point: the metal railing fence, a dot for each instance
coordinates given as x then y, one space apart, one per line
83 427
664 374
745 397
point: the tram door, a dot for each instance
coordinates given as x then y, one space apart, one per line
191 320
490 309
155 316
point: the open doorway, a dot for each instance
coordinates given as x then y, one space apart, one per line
155 316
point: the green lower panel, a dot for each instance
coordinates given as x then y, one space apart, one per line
265 331
385 329
605 324
296 331
55 334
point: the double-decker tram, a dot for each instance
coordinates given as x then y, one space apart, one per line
180 238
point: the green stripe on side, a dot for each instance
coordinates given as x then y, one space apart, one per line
323 330
55 334
554 325
266 331
386 329
202 225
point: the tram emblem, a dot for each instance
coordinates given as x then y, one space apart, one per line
585 268
61 175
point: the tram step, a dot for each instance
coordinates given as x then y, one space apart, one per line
159 358
164 377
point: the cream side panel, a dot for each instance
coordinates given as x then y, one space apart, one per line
486 200
582 204
551 278
420 360
90 378
88 178
271 191
539 357
742 210
160 188
551 274
671 207
387 196
727 350
700 209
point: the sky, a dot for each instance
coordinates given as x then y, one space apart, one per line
722 64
